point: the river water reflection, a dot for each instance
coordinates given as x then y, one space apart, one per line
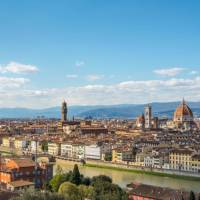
122 178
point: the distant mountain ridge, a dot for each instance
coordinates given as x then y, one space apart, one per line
123 111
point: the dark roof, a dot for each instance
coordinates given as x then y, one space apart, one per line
155 192
182 151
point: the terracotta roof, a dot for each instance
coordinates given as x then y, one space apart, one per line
183 110
20 183
24 162
140 119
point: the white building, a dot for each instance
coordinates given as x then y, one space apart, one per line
35 145
66 150
93 152
152 161
78 151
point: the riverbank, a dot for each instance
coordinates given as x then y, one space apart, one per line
161 174
122 177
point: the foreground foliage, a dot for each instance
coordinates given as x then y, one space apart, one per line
33 195
74 186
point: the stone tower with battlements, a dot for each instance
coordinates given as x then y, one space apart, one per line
64 112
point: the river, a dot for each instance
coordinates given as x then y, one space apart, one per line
122 178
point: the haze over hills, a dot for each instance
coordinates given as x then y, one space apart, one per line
108 111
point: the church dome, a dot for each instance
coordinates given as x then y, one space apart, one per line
183 111
140 119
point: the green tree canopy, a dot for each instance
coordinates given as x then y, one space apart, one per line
104 189
33 195
101 178
86 192
76 176
58 179
69 191
44 146
59 170
192 195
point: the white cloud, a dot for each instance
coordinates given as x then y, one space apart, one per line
193 72
18 68
94 77
124 92
7 82
79 63
170 71
72 76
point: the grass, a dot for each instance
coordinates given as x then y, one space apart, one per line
183 177
5 153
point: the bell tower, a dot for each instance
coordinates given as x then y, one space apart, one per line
148 116
64 111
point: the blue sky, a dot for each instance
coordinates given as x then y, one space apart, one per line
98 52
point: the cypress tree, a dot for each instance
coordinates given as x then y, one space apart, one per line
192 195
76 176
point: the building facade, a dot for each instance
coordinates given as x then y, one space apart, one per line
148 116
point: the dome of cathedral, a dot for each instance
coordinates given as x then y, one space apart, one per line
141 119
182 111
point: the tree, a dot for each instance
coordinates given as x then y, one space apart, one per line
76 176
104 189
192 195
101 178
35 195
108 157
44 146
58 179
86 192
85 181
69 191
59 170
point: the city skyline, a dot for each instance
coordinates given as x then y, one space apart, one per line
97 53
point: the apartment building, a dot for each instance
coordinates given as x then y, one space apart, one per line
13 170
54 148
20 143
6 142
66 150
78 151
180 159
93 152
34 145
122 155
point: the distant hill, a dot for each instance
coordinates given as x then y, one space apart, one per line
110 111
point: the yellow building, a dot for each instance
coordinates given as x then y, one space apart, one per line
184 160
20 143
122 155
54 149
195 163
6 141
